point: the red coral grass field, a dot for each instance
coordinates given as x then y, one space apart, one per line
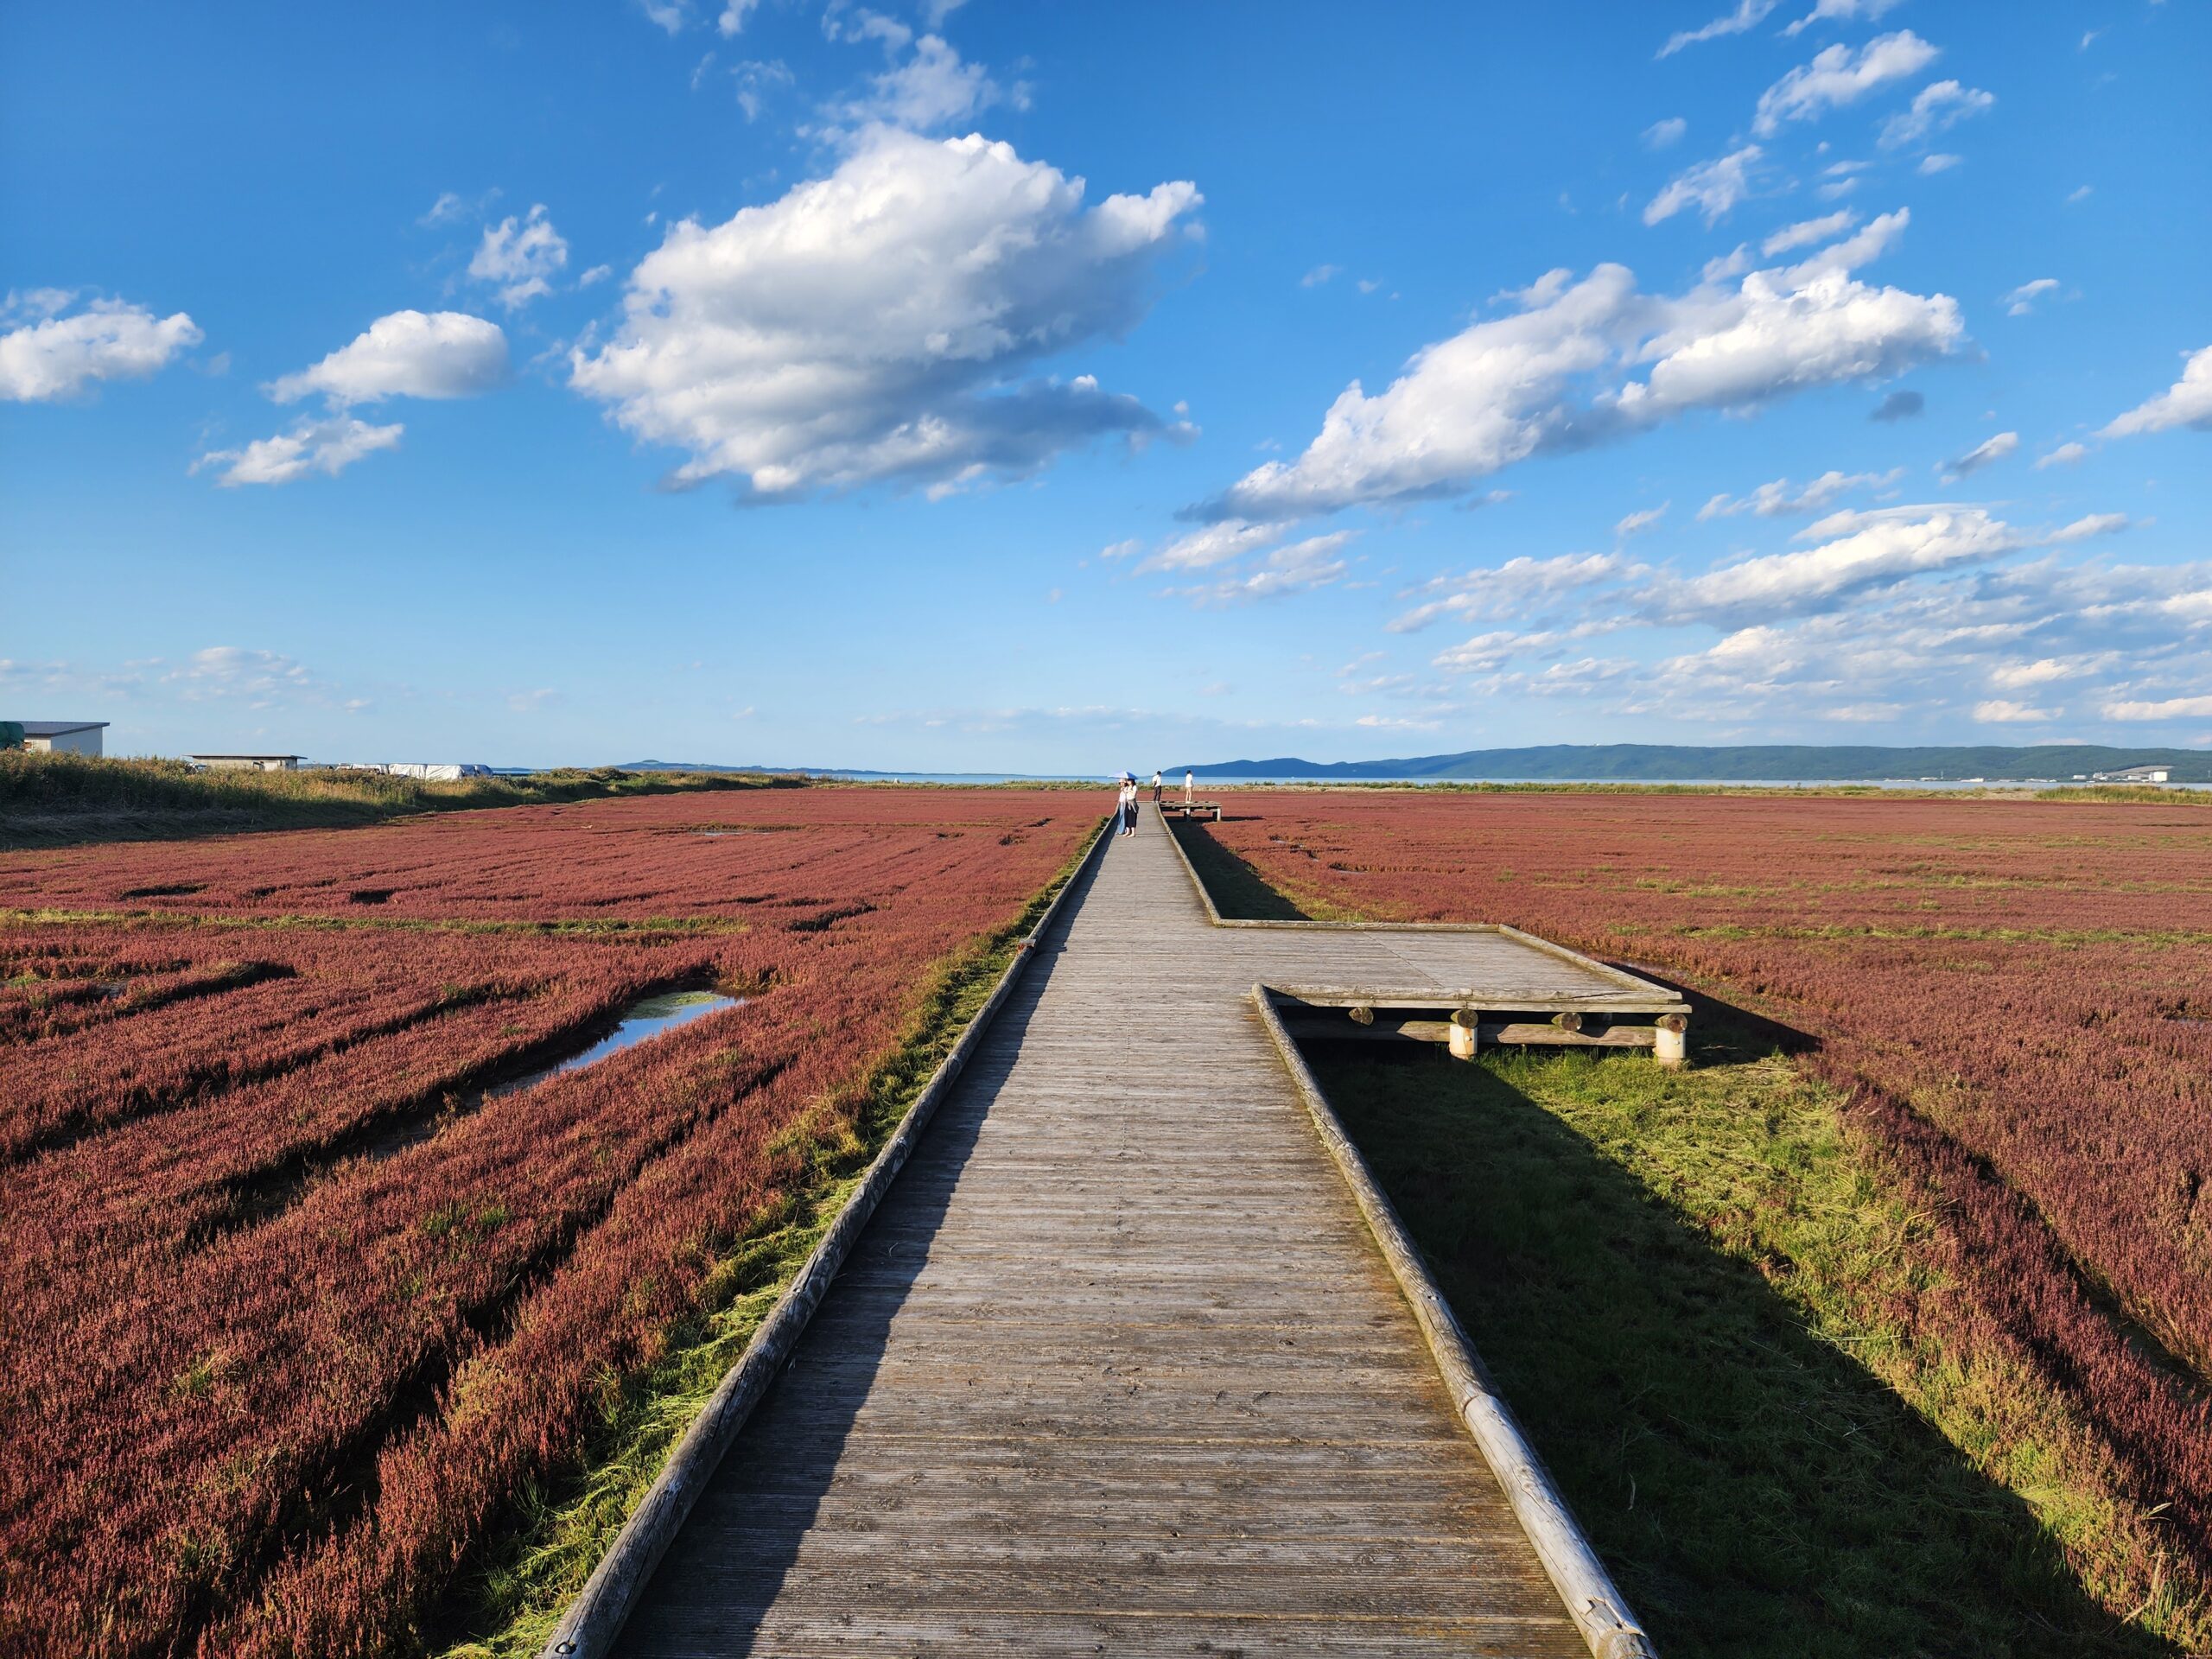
295 1302
2017 994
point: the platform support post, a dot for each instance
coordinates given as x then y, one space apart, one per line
1464 1039
1670 1044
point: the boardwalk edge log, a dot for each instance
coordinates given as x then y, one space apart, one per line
1600 1612
595 1617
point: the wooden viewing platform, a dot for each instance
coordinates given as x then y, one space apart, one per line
1191 808
1130 1359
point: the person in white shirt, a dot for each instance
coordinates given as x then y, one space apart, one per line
1128 803
1155 786
1189 778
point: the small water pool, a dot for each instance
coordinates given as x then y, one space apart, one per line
647 1018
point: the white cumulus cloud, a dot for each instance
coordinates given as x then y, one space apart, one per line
1914 612
1559 373
56 356
2022 300
1661 134
2004 711
872 325
1838 76
1866 548
406 355
2065 455
2188 402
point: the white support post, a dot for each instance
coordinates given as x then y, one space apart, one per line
1464 1038
1670 1044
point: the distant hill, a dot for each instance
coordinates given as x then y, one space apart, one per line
1778 763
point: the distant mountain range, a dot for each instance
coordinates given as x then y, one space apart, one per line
1777 763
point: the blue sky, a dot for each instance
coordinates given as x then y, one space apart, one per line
1005 386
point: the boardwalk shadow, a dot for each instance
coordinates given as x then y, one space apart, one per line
1754 1489
1238 891
741 1547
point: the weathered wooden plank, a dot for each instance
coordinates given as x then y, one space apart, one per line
1116 1366
1599 1609
1018 1632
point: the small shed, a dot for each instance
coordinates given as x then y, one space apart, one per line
248 762
62 736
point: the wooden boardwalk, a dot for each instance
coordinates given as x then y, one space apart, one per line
1117 1367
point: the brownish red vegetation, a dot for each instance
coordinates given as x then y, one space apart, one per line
294 1306
2019 994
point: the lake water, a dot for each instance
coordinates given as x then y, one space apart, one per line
1175 783
1702 783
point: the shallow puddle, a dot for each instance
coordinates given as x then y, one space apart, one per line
648 1018
260 1197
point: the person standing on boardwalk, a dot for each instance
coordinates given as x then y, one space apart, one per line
1155 786
1189 778
1129 812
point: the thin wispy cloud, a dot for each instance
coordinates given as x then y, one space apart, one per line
1984 453
1748 15
1712 188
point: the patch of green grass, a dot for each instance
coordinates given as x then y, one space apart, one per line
562 1529
1687 1286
